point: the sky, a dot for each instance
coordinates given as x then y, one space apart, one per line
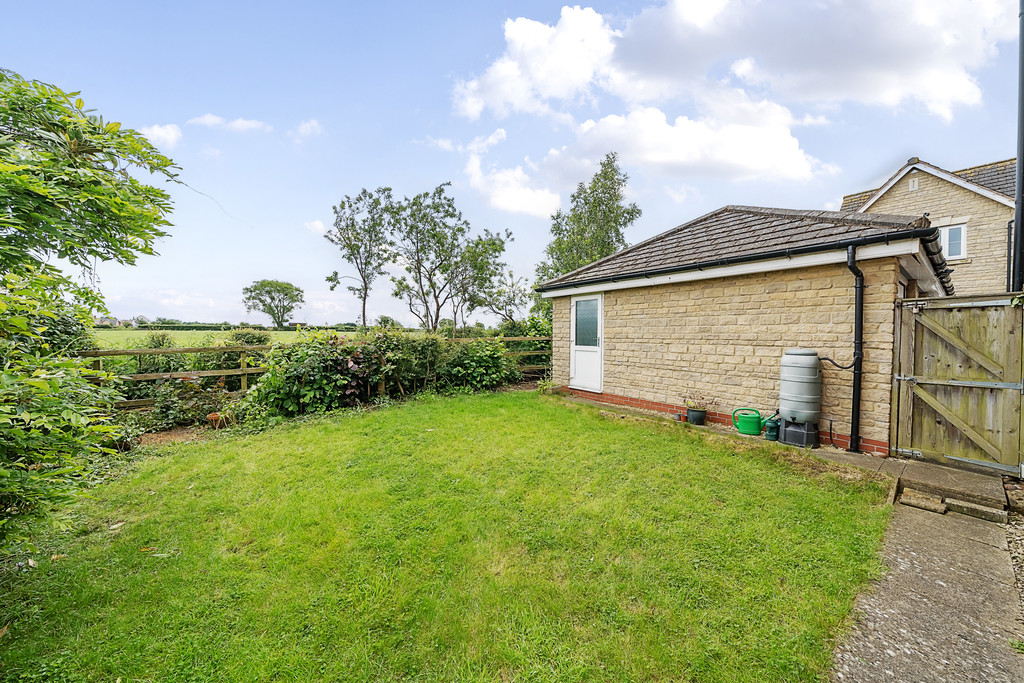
275 111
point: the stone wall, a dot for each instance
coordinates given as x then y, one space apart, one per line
724 339
983 271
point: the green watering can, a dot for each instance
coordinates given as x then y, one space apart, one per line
748 421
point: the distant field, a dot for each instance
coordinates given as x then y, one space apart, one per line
121 339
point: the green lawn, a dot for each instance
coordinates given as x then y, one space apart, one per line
500 537
124 338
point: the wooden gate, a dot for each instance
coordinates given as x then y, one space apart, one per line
957 383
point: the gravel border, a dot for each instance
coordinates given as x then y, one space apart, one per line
1015 539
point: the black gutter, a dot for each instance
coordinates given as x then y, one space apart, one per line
934 256
858 345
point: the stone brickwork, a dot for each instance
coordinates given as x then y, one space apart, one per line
724 338
983 271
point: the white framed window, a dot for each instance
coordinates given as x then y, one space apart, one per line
954 241
913 184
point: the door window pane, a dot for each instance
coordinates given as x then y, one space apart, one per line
586 322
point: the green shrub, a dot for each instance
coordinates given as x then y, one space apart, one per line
480 364
185 402
321 371
324 371
405 363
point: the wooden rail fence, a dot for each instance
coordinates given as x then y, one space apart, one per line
244 369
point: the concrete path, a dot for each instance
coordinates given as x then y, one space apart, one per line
945 611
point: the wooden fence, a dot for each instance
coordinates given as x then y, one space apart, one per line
244 369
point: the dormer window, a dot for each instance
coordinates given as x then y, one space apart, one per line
953 239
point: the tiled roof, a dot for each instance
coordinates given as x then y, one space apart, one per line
1000 176
744 233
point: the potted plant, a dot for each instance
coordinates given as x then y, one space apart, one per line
697 409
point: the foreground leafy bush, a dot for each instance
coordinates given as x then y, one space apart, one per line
53 420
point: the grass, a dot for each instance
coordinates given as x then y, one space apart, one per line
505 537
124 338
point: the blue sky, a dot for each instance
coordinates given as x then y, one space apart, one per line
275 111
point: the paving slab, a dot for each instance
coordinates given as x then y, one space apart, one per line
893 467
983 489
945 611
866 462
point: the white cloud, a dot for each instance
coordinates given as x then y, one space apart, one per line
316 227
238 125
164 137
819 52
735 137
211 120
680 194
184 302
210 152
444 144
508 189
305 130
541 63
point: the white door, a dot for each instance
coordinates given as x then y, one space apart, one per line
586 325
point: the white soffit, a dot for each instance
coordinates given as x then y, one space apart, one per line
908 247
938 173
919 267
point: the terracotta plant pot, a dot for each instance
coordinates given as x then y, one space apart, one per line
217 420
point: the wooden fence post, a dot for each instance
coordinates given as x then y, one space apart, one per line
245 377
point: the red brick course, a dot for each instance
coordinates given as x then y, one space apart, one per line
880 448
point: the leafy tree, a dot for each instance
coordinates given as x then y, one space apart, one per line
387 322
273 297
68 185
68 189
476 273
441 262
506 296
593 228
362 230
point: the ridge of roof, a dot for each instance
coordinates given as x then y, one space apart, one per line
750 233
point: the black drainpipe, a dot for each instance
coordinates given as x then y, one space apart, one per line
858 344
1009 256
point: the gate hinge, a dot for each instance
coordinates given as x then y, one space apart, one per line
910 452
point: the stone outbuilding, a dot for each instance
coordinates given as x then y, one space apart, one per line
706 310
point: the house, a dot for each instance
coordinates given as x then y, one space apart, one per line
708 308
972 209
